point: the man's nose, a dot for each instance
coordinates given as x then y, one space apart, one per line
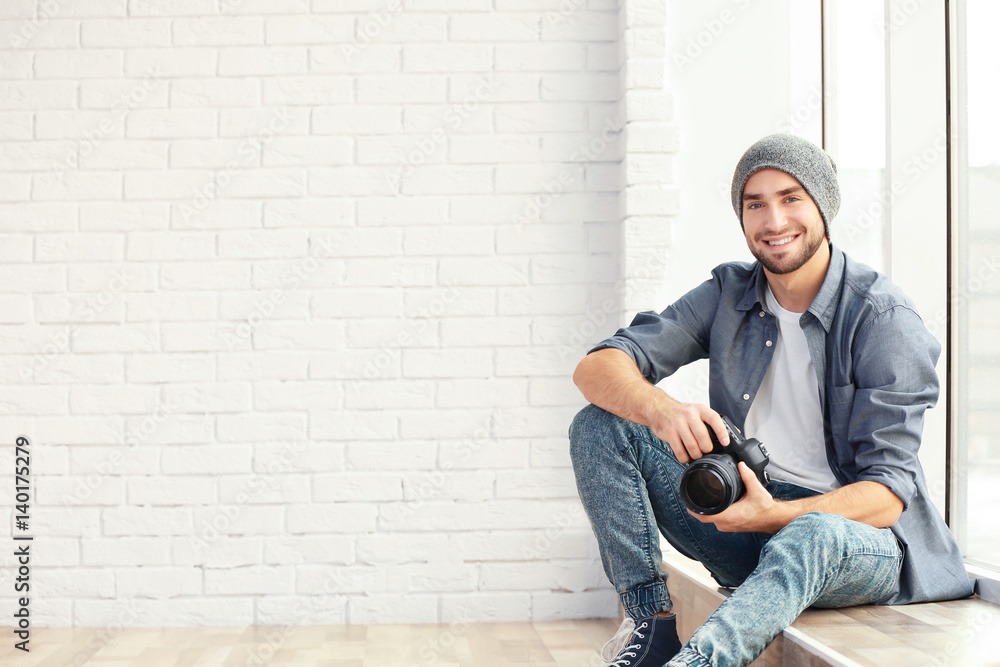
776 219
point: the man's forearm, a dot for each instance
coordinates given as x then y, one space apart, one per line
865 501
610 379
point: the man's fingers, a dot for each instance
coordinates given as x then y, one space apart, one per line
719 426
700 433
688 433
686 445
692 439
750 481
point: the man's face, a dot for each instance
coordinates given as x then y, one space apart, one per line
782 223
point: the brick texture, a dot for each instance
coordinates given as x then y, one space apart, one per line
293 292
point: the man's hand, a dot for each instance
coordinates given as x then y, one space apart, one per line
610 379
682 426
755 512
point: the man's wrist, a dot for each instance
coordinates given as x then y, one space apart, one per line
654 404
778 516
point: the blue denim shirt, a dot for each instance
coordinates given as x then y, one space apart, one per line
874 361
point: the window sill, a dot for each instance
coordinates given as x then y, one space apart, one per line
987 582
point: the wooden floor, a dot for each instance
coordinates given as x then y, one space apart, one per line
957 633
543 644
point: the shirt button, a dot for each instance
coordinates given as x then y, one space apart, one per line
768 343
746 397
761 313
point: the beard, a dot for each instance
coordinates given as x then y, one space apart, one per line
791 261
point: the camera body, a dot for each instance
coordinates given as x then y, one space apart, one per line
712 483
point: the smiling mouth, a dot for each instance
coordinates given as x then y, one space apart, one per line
782 242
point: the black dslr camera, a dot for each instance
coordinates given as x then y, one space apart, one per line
712 483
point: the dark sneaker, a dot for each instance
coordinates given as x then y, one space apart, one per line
644 643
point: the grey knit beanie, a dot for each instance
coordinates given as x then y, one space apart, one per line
806 162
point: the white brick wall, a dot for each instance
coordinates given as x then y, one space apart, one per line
292 292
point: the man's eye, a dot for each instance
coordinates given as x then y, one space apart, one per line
754 205
793 198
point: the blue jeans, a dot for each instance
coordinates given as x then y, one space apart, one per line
628 480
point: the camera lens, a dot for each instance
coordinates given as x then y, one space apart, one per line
705 488
711 484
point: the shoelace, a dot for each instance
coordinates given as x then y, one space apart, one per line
620 649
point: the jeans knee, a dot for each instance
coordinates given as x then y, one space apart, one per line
591 427
819 522
816 529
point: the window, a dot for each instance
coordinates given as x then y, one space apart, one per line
854 38
873 82
718 46
975 305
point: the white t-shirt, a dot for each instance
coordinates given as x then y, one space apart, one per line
786 415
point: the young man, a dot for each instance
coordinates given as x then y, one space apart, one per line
823 360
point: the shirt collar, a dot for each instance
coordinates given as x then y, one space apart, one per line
824 305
